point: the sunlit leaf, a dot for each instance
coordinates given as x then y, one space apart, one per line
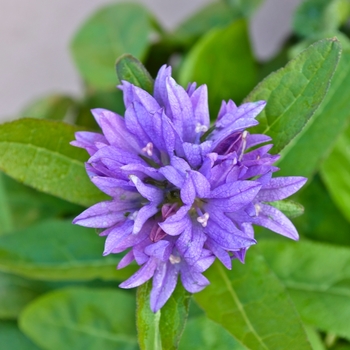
317 278
294 92
252 305
304 155
38 153
112 31
228 70
132 70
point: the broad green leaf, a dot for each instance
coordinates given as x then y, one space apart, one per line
245 7
223 60
317 16
14 338
81 318
38 153
214 15
109 33
320 216
289 208
28 206
6 222
294 92
15 293
202 333
303 156
252 305
335 172
300 46
132 70
317 277
217 14
58 251
161 330
53 107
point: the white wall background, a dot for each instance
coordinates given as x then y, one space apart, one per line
35 35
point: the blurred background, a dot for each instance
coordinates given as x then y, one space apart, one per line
35 37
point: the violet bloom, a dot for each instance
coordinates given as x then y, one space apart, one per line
183 193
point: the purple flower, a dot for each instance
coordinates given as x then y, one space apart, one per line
182 193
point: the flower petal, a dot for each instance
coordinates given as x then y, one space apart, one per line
193 281
142 275
276 221
152 193
174 225
163 285
104 214
116 235
160 250
143 215
280 188
190 243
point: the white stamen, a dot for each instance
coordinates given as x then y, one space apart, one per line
200 128
148 149
203 220
257 209
174 259
133 216
244 143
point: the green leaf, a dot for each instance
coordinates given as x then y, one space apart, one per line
132 70
161 330
317 16
321 214
215 15
314 338
6 223
245 7
81 318
28 206
109 33
38 153
58 250
14 338
53 107
300 46
252 305
317 277
15 293
335 172
289 208
303 156
229 70
294 92
202 333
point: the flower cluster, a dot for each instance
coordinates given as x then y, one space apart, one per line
183 192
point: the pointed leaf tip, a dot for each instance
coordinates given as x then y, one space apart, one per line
132 70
